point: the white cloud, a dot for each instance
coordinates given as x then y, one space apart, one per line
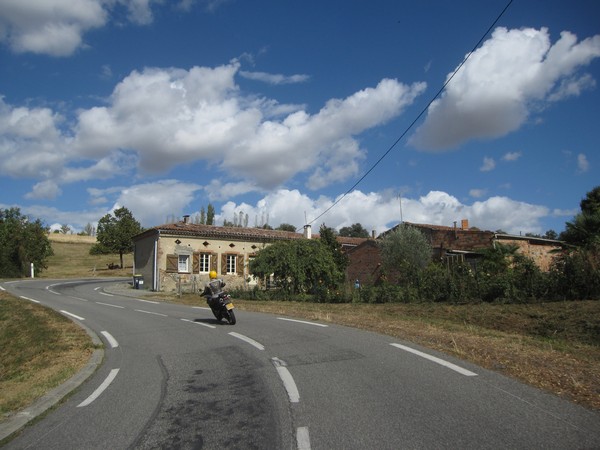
512 156
152 203
218 190
157 119
53 27
380 211
174 116
274 78
47 190
57 27
583 164
477 193
488 164
494 91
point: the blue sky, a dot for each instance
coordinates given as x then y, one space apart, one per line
277 109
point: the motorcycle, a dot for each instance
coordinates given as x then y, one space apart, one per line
222 307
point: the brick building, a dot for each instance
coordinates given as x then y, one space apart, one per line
449 244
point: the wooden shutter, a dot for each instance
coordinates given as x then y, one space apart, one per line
223 264
196 268
239 265
172 263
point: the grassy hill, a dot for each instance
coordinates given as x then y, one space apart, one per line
72 259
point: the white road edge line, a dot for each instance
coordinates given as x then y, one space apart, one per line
288 380
199 323
30 299
109 379
82 299
440 361
146 301
111 340
109 304
150 312
2 289
302 438
71 314
250 341
104 293
303 321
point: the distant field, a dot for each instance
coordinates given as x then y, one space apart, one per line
72 259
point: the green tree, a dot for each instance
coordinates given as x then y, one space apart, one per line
115 232
328 238
405 252
286 227
210 214
298 266
584 230
202 216
22 241
354 230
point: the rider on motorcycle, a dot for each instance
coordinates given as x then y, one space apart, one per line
214 287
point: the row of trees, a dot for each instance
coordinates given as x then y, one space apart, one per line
314 269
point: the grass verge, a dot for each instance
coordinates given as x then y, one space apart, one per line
39 349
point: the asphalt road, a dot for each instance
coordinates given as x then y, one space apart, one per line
172 377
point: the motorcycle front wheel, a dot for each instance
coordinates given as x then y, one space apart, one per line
229 316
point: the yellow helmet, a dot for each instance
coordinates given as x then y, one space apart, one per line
212 274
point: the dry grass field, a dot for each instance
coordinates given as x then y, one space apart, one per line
72 259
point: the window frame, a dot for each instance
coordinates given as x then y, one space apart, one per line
231 264
204 260
183 265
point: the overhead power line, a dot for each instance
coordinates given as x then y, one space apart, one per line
437 94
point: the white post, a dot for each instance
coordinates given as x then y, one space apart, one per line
32 271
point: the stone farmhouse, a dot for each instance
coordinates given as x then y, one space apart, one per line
179 256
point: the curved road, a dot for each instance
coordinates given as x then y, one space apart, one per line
172 377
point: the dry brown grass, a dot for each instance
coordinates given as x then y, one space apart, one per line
72 259
39 350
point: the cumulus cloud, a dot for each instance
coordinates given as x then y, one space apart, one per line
380 211
52 27
57 27
174 116
47 190
157 119
494 92
151 203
